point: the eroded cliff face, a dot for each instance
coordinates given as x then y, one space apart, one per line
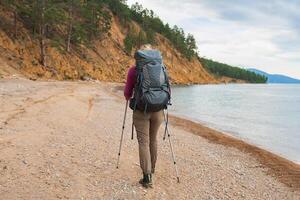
105 60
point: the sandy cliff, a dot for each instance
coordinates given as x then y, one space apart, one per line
105 60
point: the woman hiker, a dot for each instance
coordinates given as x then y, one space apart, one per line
146 122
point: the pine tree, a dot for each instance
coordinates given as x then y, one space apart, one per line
129 42
42 24
13 6
96 19
71 9
43 16
191 46
141 39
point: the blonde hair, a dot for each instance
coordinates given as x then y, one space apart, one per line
146 47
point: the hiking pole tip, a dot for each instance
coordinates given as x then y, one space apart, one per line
122 135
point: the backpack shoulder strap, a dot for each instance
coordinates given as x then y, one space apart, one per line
167 82
166 75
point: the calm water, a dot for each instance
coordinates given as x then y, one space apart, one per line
265 115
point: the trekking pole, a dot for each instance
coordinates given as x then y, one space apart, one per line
123 127
166 124
132 130
171 147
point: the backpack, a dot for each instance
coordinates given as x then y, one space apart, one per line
152 88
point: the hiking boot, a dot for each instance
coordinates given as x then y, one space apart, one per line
146 181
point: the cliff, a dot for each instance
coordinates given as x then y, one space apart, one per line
104 60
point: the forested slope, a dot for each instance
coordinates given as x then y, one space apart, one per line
90 39
223 70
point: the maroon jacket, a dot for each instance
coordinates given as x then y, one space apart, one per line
130 82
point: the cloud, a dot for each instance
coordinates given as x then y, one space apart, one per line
261 34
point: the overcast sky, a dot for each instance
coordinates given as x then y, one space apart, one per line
247 33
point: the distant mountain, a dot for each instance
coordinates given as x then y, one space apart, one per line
275 78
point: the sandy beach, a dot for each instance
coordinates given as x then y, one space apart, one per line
59 140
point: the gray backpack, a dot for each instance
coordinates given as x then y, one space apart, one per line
152 88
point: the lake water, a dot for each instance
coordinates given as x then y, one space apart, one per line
267 115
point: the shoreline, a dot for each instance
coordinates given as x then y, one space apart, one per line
234 135
286 171
59 140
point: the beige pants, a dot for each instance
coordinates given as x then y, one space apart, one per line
147 125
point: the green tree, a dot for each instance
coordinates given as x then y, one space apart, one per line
42 16
129 42
87 21
120 9
72 7
191 46
13 6
141 38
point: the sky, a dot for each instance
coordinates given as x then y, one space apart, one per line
246 33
